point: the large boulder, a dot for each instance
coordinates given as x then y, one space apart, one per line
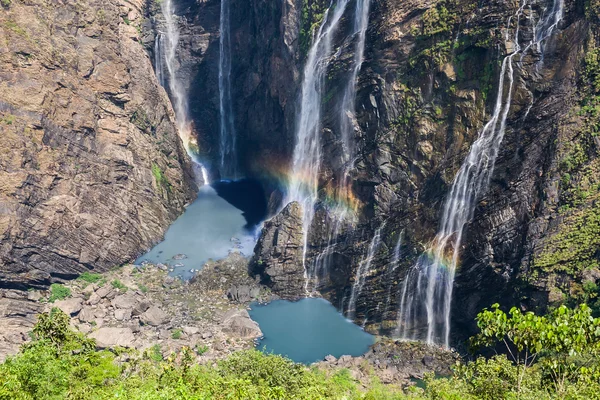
154 316
238 323
70 306
279 251
111 337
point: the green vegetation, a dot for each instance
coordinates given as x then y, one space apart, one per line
311 18
90 277
58 292
8 119
574 247
143 288
177 334
62 364
14 27
5 3
549 357
201 349
159 177
117 284
141 120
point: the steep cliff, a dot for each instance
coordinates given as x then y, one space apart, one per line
92 170
428 85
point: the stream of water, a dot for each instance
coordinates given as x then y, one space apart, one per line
227 133
426 294
166 65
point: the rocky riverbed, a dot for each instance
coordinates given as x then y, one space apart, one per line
142 307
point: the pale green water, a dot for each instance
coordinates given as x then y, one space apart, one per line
308 330
210 228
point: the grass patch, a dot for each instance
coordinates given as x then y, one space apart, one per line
177 334
58 292
117 284
90 277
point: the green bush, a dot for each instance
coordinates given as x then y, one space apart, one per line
90 277
176 334
117 284
58 292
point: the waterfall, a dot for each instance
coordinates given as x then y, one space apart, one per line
427 288
361 273
341 213
165 55
307 152
348 108
393 266
227 142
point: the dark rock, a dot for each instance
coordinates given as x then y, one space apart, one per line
278 253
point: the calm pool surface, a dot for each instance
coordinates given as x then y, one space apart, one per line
210 228
308 330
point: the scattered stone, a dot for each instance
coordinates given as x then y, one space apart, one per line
190 330
141 307
180 257
124 301
34 295
86 314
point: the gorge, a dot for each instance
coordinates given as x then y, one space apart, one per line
410 162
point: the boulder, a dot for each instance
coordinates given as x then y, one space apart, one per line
141 307
243 293
279 251
237 323
123 314
87 314
154 316
124 301
70 306
111 337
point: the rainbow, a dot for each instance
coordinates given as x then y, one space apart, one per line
332 195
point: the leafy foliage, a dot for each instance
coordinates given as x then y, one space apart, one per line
62 364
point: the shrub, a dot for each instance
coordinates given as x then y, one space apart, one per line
117 284
90 277
177 333
58 292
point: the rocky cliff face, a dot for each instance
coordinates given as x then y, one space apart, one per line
92 170
428 85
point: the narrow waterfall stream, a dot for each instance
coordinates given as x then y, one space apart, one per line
227 135
307 152
426 294
165 56
343 212
361 273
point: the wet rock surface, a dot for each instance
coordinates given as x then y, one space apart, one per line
278 253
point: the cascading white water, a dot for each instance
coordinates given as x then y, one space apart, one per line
361 273
227 137
306 164
343 212
427 288
393 266
348 108
166 56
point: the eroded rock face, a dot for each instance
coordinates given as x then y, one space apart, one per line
278 253
419 109
91 168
